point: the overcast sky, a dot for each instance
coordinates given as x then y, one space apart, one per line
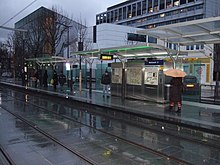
87 9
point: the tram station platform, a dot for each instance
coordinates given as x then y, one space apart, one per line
197 115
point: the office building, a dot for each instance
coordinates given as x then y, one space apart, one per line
153 13
48 34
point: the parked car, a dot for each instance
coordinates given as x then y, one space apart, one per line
191 85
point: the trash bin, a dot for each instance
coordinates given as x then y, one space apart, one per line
167 91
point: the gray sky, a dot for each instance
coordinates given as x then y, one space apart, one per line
87 9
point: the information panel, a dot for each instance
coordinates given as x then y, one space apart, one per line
151 76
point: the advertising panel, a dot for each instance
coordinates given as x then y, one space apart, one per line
134 75
117 75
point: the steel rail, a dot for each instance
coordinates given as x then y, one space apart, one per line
35 127
158 153
6 156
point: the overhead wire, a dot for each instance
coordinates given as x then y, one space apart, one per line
19 12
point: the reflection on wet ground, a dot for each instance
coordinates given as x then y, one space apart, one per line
100 134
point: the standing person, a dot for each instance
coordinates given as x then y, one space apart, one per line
36 78
23 77
62 80
55 80
106 80
45 77
40 77
176 93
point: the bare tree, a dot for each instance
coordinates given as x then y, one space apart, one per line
55 26
80 31
35 37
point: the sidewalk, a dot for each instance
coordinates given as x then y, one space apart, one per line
198 115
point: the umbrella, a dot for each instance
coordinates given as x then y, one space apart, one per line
175 73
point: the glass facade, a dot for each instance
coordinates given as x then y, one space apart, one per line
153 13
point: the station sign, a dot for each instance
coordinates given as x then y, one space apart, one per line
154 62
106 57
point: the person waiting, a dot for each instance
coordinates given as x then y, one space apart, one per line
62 80
105 81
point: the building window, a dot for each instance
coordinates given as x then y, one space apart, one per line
129 11
169 4
162 4
202 46
189 1
134 10
124 13
176 2
152 40
94 34
120 14
116 15
175 46
112 14
150 7
138 8
108 17
170 46
136 37
143 7
182 2
162 15
156 7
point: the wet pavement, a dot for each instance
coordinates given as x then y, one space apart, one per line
193 113
102 137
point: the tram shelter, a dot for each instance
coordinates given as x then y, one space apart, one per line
137 70
46 63
202 31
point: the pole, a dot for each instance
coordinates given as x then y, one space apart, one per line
80 48
101 67
123 82
80 74
217 85
90 78
68 83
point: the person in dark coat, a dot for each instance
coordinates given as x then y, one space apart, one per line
62 80
23 77
45 77
36 78
55 80
105 81
176 93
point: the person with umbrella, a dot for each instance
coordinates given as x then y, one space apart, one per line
176 88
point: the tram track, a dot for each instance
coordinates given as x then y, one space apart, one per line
6 158
145 126
52 138
147 149
179 161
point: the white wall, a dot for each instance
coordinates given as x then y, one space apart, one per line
111 35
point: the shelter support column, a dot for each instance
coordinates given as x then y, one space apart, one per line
80 48
123 86
90 78
80 75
